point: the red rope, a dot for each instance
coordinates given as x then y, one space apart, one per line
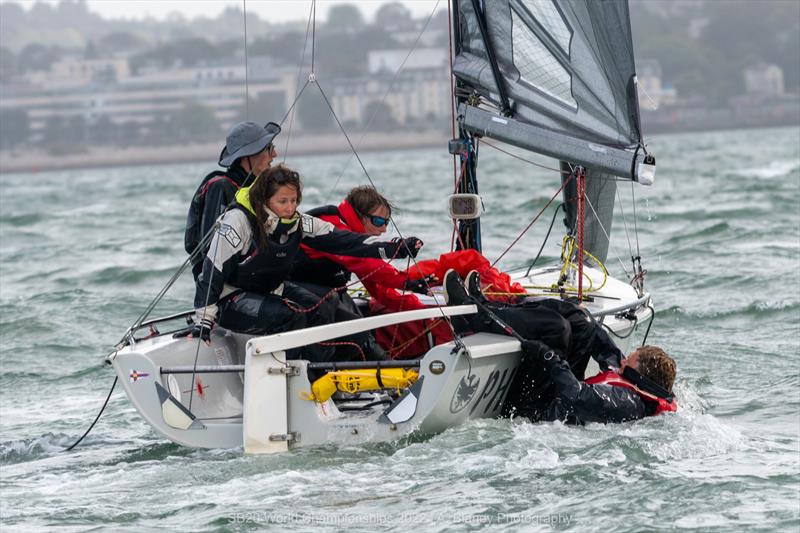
581 188
346 343
395 351
334 290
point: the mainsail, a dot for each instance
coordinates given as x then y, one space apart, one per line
559 80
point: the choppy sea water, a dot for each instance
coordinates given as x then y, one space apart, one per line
83 252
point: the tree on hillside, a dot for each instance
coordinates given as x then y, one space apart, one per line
8 64
381 115
344 17
193 121
313 113
756 31
345 54
121 41
187 52
37 57
284 49
394 16
14 127
268 106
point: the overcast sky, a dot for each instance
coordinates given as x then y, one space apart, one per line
270 10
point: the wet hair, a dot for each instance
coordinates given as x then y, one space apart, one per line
265 187
365 199
655 364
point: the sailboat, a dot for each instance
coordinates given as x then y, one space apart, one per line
554 77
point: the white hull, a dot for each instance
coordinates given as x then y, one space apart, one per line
247 395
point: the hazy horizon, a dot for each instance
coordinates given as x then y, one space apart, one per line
276 11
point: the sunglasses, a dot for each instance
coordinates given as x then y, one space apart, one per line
377 221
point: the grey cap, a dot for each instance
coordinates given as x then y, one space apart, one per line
246 138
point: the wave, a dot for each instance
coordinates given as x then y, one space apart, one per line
710 231
775 169
757 308
23 220
19 451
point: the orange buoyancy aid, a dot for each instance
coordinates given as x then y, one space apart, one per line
612 378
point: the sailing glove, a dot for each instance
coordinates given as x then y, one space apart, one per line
421 285
408 247
201 331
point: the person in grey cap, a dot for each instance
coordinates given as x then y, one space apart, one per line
248 151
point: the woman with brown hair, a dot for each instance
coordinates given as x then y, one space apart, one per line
243 284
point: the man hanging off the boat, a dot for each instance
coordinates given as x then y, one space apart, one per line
249 150
243 284
560 339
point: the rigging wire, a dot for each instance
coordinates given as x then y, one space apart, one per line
546 237
456 336
200 322
532 222
388 91
291 108
300 92
600 224
515 156
246 75
635 227
624 222
452 100
313 32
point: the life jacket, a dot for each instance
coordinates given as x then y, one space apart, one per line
263 270
194 219
615 380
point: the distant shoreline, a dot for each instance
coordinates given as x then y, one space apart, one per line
32 161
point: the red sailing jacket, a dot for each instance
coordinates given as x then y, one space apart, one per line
612 378
382 281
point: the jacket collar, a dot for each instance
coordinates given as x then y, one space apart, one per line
351 218
237 174
243 199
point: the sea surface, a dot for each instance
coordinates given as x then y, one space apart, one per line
82 253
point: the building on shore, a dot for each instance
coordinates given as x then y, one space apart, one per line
78 93
653 93
764 79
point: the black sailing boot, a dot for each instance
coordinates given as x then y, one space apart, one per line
473 283
456 294
454 291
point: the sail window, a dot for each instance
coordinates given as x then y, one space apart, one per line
536 64
545 12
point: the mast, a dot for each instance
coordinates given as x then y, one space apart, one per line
464 147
